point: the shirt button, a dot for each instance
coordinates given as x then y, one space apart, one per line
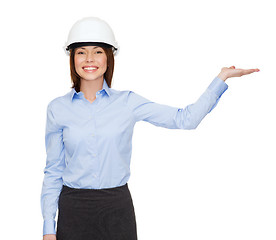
93 135
94 154
95 175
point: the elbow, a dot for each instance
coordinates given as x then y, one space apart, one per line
192 126
188 125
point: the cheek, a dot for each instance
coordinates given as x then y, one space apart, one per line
103 62
77 65
77 61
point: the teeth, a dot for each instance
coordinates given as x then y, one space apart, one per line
90 68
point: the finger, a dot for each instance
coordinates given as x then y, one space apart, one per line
248 71
255 69
251 69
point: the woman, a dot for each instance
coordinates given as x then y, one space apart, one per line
88 140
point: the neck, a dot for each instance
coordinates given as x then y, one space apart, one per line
90 88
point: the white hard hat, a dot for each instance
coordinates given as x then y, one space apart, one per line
91 30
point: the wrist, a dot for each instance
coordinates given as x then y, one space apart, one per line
222 76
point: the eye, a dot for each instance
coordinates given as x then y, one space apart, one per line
80 52
99 52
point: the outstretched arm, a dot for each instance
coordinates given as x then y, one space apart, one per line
184 118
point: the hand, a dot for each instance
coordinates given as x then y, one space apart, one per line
49 237
233 72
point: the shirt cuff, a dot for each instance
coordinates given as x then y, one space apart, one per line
218 87
49 227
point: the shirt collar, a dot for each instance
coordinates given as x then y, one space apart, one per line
104 88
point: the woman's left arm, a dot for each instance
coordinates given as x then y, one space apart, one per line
182 118
233 72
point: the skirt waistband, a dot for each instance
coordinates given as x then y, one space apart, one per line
121 191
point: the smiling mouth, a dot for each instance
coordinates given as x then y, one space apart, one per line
90 68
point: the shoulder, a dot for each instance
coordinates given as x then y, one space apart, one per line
125 92
117 92
59 101
128 97
132 98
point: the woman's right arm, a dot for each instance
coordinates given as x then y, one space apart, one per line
55 165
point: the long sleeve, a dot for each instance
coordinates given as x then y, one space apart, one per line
55 164
177 118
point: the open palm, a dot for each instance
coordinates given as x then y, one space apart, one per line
233 72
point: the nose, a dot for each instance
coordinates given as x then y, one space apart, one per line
89 57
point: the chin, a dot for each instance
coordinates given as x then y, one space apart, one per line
92 78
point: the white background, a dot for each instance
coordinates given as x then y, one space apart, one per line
215 182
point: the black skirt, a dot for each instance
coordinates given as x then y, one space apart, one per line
96 214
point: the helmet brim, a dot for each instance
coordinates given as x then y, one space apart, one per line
81 44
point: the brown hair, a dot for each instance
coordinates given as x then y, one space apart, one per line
75 78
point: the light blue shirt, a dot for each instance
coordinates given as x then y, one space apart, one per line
89 145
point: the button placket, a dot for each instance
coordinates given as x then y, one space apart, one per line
93 133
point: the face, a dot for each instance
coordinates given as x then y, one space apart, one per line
90 63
